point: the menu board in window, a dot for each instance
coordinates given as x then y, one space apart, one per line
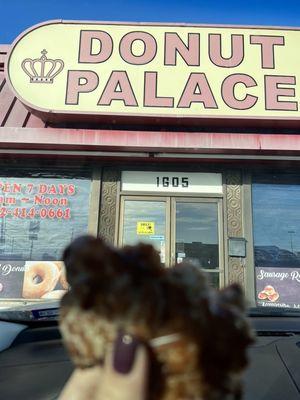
38 219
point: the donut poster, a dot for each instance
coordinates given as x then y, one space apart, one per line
278 287
11 279
32 280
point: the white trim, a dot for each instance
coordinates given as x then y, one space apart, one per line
226 156
186 182
150 154
75 153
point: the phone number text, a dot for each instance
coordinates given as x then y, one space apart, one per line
43 213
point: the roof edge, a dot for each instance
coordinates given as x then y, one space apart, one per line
150 141
4 49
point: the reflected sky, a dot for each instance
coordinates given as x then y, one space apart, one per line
53 234
276 216
197 222
144 211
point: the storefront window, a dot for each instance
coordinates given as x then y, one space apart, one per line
39 215
145 221
197 236
276 228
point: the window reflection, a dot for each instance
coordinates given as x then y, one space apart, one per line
276 224
276 229
197 234
145 221
40 216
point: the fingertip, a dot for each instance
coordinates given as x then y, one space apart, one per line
125 348
141 359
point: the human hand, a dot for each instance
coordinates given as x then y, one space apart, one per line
123 376
125 371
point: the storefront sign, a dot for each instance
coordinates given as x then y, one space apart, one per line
173 182
98 70
278 287
39 216
11 279
30 200
145 228
157 237
32 280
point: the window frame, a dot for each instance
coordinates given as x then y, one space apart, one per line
28 169
249 179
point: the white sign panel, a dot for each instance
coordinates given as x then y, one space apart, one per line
172 182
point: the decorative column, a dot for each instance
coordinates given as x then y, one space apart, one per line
234 222
108 204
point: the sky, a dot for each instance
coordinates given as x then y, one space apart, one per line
18 15
276 216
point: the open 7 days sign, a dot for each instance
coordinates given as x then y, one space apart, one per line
97 70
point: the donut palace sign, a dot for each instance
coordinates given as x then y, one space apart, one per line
90 70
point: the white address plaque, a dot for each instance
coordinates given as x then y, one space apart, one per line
172 182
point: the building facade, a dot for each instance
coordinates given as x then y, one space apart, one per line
224 194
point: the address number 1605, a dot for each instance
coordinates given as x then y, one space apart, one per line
174 181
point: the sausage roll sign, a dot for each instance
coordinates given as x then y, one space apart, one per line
153 72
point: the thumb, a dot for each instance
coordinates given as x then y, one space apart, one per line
126 370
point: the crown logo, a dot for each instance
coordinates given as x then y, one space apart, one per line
43 69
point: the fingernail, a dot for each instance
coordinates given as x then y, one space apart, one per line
124 353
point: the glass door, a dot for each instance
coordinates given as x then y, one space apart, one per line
197 235
181 229
147 220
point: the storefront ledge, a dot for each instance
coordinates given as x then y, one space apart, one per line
148 141
3 51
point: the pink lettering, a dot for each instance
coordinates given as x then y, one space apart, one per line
274 92
126 51
87 41
197 90
267 44
118 87
228 91
150 96
80 82
237 51
190 53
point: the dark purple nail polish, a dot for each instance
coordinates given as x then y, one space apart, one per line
124 353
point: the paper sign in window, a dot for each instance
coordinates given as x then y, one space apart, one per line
145 228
